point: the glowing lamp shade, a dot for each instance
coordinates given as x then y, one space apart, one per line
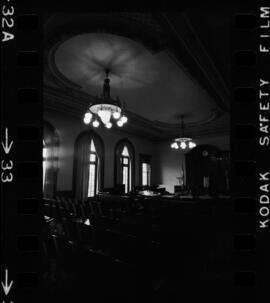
87 118
116 115
96 123
191 144
87 222
108 125
183 145
124 119
120 123
105 116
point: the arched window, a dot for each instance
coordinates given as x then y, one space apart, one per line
88 165
93 171
50 160
126 169
124 165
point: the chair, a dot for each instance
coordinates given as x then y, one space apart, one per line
116 244
78 210
75 226
100 211
47 210
87 235
56 212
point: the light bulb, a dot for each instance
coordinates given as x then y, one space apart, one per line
87 222
191 144
119 123
105 116
116 115
183 145
96 123
174 145
124 119
87 118
89 115
108 125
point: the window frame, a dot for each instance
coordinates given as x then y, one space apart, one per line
147 172
128 166
118 164
147 159
77 187
96 164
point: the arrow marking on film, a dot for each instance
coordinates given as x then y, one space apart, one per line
7 146
6 286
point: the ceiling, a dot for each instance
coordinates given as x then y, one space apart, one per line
151 84
162 66
220 52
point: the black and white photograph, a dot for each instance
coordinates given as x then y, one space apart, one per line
134 152
136 156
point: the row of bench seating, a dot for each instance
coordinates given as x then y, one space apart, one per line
118 234
109 248
115 245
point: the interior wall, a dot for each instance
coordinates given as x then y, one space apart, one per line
170 163
68 129
170 166
167 164
221 142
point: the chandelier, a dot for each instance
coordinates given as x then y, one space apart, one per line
104 110
183 143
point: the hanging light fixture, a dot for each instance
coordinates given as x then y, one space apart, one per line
183 143
104 110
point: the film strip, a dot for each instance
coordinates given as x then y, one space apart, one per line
244 158
21 154
249 150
